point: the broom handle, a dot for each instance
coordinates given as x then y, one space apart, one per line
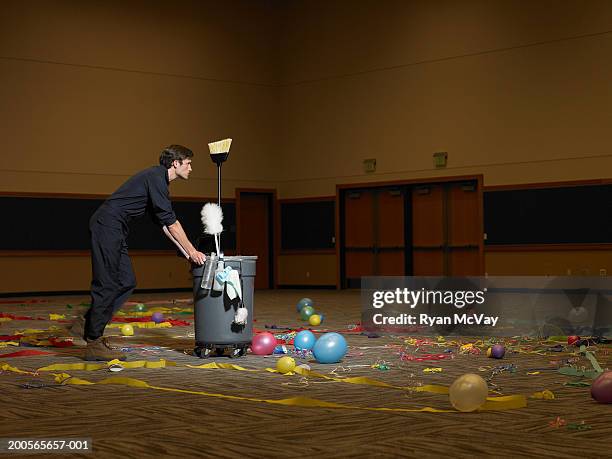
218 241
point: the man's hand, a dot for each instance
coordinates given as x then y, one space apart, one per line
197 257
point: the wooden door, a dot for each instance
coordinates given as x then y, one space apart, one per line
428 230
465 231
447 229
254 233
373 236
390 233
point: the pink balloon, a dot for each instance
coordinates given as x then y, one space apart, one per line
601 389
263 343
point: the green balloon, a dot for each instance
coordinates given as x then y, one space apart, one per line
306 312
140 307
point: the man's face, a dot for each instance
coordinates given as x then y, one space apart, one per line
183 170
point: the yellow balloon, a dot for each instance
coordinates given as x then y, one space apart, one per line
127 330
314 320
468 392
285 364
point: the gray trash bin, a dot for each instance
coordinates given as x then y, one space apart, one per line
215 330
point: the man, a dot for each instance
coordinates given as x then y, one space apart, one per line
113 279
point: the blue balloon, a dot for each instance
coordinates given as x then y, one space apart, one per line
304 302
330 348
304 340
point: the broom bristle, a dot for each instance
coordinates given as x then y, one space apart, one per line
212 216
221 146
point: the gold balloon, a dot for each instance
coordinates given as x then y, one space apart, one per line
285 364
314 320
127 330
468 392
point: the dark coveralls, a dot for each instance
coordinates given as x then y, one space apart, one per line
113 279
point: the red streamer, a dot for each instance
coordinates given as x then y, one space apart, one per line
26 353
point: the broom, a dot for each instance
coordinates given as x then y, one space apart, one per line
219 151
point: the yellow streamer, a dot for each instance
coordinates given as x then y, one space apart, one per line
493 403
162 363
293 401
7 367
496 403
545 395
152 310
141 325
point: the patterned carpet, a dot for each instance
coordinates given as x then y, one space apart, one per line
133 422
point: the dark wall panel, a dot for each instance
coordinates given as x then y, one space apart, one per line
579 214
63 224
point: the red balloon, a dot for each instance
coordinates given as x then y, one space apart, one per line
263 343
572 339
601 389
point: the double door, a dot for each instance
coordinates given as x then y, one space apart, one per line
432 229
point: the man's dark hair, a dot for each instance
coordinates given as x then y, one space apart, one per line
173 153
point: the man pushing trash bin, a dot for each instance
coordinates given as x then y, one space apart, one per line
113 279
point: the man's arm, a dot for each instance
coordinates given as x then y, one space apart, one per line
176 229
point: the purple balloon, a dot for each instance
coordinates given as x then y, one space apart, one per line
263 344
601 389
157 317
498 351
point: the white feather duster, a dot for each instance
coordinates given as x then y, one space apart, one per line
212 216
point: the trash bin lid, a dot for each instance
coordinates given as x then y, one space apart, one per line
241 258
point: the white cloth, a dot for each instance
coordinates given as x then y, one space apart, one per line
232 285
241 316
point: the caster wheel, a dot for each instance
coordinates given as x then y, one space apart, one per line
202 353
238 352
235 353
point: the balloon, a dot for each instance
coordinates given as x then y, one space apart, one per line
468 392
157 317
304 340
573 339
601 389
329 348
127 330
285 364
314 320
497 351
306 312
140 307
263 343
304 302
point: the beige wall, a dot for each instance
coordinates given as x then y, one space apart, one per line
92 91
73 272
517 91
307 269
549 263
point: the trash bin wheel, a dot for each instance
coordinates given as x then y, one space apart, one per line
202 352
